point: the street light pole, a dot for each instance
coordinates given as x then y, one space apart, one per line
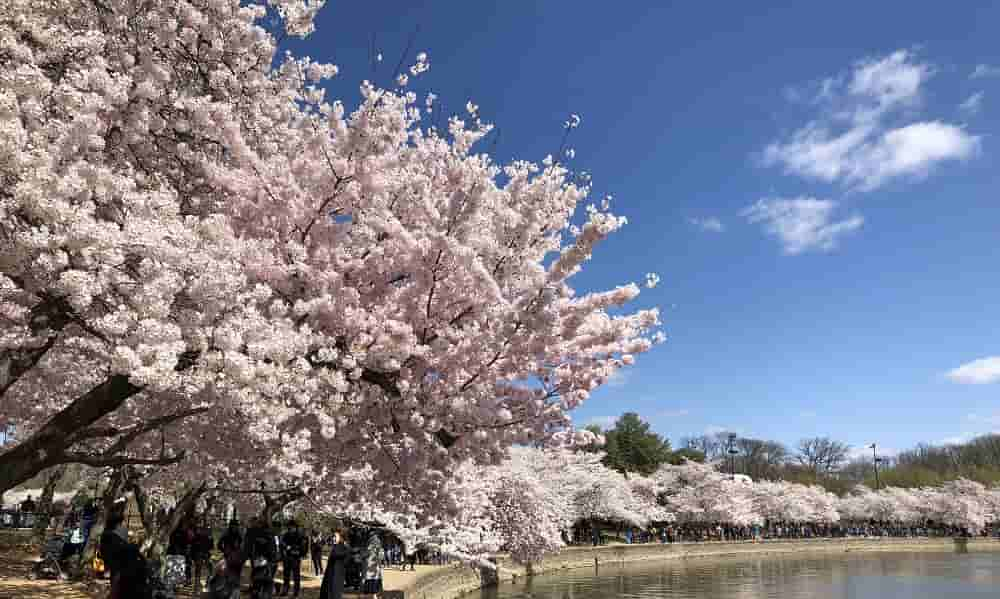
875 465
732 456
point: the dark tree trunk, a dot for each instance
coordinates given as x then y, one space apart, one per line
158 534
43 515
48 446
274 503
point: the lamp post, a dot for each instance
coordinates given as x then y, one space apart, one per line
732 456
875 461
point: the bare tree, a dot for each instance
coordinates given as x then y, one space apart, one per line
761 458
713 445
822 454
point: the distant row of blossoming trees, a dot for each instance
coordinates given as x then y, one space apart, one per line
527 503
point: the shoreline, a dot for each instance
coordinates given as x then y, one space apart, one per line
456 581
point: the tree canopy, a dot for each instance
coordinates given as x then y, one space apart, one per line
632 447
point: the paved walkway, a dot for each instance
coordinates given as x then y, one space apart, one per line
14 568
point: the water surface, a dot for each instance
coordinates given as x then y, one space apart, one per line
838 576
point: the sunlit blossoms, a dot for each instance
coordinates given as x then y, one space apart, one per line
190 228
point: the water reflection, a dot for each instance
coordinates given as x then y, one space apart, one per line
844 576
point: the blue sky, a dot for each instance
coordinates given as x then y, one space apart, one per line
815 185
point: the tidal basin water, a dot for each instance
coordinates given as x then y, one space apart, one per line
839 576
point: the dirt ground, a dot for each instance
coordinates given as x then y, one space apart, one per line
16 563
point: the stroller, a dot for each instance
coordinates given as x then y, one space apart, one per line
220 586
50 566
166 576
261 578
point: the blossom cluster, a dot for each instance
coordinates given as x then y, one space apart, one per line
338 284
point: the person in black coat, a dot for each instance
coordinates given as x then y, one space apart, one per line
293 545
316 552
333 578
201 553
232 539
112 545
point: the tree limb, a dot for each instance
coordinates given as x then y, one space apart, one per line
100 461
131 433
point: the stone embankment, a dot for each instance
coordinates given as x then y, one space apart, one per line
454 581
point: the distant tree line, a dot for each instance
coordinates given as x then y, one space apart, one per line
631 446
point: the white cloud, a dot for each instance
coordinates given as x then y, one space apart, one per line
711 224
973 104
856 140
605 422
802 224
985 70
956 440
861 452
978 372
892 81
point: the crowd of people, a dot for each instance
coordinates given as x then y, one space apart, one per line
264 547
345 558
724 532
21 516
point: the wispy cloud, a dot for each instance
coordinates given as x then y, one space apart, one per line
973 104
978 372
807 414
710 224
802 224
856 139
984 70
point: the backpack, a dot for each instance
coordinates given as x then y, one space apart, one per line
293 546
263 546
174 570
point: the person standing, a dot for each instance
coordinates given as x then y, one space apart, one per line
333 579
293 547
89 513
201 550
231 546
372 584
27 512
231 540
259 542
316 551
133 575
113 542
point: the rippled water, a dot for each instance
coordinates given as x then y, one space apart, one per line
841 576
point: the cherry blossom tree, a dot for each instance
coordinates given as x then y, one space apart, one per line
525 518
699 492
962 503
188 224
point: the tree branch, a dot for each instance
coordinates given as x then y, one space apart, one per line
99 461
254 491
131 433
